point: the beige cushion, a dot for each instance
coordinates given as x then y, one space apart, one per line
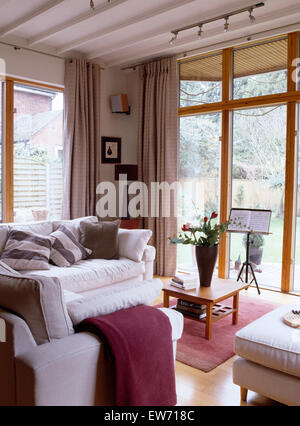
133 243
271 343
39 301
101 238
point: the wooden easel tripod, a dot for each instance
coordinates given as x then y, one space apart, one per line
248 265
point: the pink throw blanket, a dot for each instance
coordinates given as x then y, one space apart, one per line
140 341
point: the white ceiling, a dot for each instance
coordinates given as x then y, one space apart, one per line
123 32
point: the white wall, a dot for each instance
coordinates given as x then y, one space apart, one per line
33 66
114 82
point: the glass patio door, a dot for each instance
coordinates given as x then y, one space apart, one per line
258 182
199 174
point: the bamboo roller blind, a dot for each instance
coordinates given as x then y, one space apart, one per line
257 59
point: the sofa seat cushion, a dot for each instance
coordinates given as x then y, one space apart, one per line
94 273
271 343
114 298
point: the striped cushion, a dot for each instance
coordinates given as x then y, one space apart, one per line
66 250
25 251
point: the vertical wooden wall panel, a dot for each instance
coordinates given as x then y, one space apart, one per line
225 161
290 173
8 153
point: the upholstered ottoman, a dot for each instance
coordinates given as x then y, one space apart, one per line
269 358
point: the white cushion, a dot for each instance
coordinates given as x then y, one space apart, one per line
132 243
4 230
114 298
271 343
41 228
93 273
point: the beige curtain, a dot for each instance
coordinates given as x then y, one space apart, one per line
82 138
158 149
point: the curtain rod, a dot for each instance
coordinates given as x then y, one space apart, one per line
16 47
51 55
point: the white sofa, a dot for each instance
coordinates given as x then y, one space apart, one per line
269 358
42 361
88 274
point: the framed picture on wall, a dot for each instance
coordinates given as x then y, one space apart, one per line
111 150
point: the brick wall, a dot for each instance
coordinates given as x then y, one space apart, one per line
31 103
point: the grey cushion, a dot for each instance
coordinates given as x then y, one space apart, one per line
101 238
39 301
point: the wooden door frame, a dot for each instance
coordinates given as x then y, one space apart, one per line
226 106
8 141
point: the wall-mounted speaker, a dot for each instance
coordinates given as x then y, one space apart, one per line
119 104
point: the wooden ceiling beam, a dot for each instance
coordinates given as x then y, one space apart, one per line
118 27
77 20
30 16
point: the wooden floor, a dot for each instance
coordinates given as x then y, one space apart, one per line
197 388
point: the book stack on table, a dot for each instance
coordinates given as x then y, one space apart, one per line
185 281
193 310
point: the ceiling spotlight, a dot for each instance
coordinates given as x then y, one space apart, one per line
200 32
251 17
226 25
173 39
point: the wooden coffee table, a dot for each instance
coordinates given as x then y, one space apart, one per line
211 297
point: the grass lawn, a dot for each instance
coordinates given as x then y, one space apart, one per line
272 248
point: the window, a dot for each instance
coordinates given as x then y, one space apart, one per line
258 181
201 81
260 70
199 171
38 144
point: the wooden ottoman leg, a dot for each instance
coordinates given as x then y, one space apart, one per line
244 394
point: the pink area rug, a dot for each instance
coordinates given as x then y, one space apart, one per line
194 350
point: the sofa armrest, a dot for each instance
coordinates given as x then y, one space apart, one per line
71 371
17 339
149 254
148 259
